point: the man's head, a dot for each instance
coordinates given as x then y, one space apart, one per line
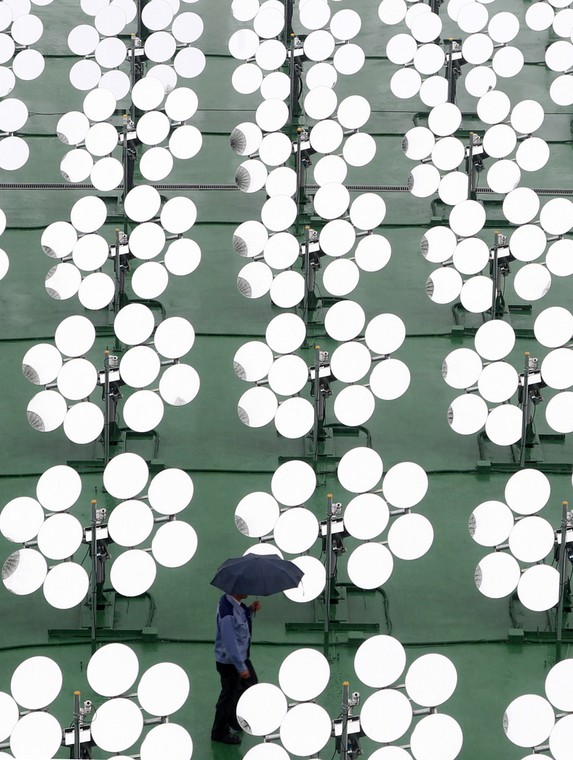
239 597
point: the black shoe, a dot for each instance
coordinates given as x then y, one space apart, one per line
238 729
227 738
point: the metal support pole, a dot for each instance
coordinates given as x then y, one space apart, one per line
309 275
495 282
326 639
117 271
300 172
292 77
471 170
133 64
317 403
562 582
345 714
93 582
525 410
287 31
140 4
450 73
77 726
107 410
125 161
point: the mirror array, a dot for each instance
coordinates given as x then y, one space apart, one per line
20 31
50 535
366 516
488 379
405 484
544 724
158 230
153 355
470 270
120 718
282 517
287 374
345 224
288 713
481 40
167 47
347 227
153 245
518 535
282 522
461 253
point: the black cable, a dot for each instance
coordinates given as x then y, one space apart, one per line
514 623
386 603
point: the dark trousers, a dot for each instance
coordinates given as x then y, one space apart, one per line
232 686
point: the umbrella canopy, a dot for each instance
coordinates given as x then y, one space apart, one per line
257 575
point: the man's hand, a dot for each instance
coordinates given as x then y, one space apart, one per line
245 673
255 606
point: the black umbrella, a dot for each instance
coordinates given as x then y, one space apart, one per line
257 575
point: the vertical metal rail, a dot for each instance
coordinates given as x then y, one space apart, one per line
327 588
471 172
308 276
93 583
117 271
345 714
107 409
287 30
495 281
140 4
133 64
562 582
450 73
300 173
525 410
125 159
317 403
77 726
292 76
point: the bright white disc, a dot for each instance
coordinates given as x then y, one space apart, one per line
293 483
538 588
497 575
112 670
360 470
490 523
431 680
163 689
386 715
36 682
133 573
312 583
117 724
125 475
503 425
261 709
305 729
370 565
467 414
410 536
527 491
379 661
66 585
304 674
436 736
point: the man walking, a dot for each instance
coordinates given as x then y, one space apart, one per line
232 651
